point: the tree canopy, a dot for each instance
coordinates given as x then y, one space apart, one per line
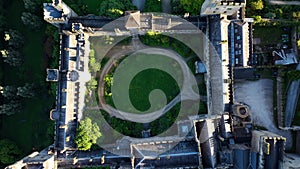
270 15
192 6
31 5
12 57
10 108
9 91
257 5
114 8
257 18
26 91
177 8
2 21
153 6
9 151
92 84
94 65
15 39
12 91
87 134
31 20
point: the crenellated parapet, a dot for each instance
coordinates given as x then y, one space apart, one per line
58 13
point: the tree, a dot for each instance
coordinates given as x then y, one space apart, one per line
9 152
270 15
87 134
114 8
31 20
108 79
92 84
12 57
9 92
2 22
153 6
31 5
177 8
257 5
94 66
192 6
3 19
10 108
26 91
79 7
152 38
15 39
278 13
257 18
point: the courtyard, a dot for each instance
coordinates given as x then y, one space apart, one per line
154 87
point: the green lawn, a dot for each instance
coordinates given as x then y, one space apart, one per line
147 81
142 85
268 35
31 129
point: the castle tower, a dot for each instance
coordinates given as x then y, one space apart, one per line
227 7
57 13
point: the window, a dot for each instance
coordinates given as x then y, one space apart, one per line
236 61
238 37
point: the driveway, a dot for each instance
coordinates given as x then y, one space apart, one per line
259 96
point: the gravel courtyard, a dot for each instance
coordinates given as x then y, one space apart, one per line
259 96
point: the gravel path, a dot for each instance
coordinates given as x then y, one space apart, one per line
259 96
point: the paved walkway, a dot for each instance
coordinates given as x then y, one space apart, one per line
259 96
279 100
277 2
